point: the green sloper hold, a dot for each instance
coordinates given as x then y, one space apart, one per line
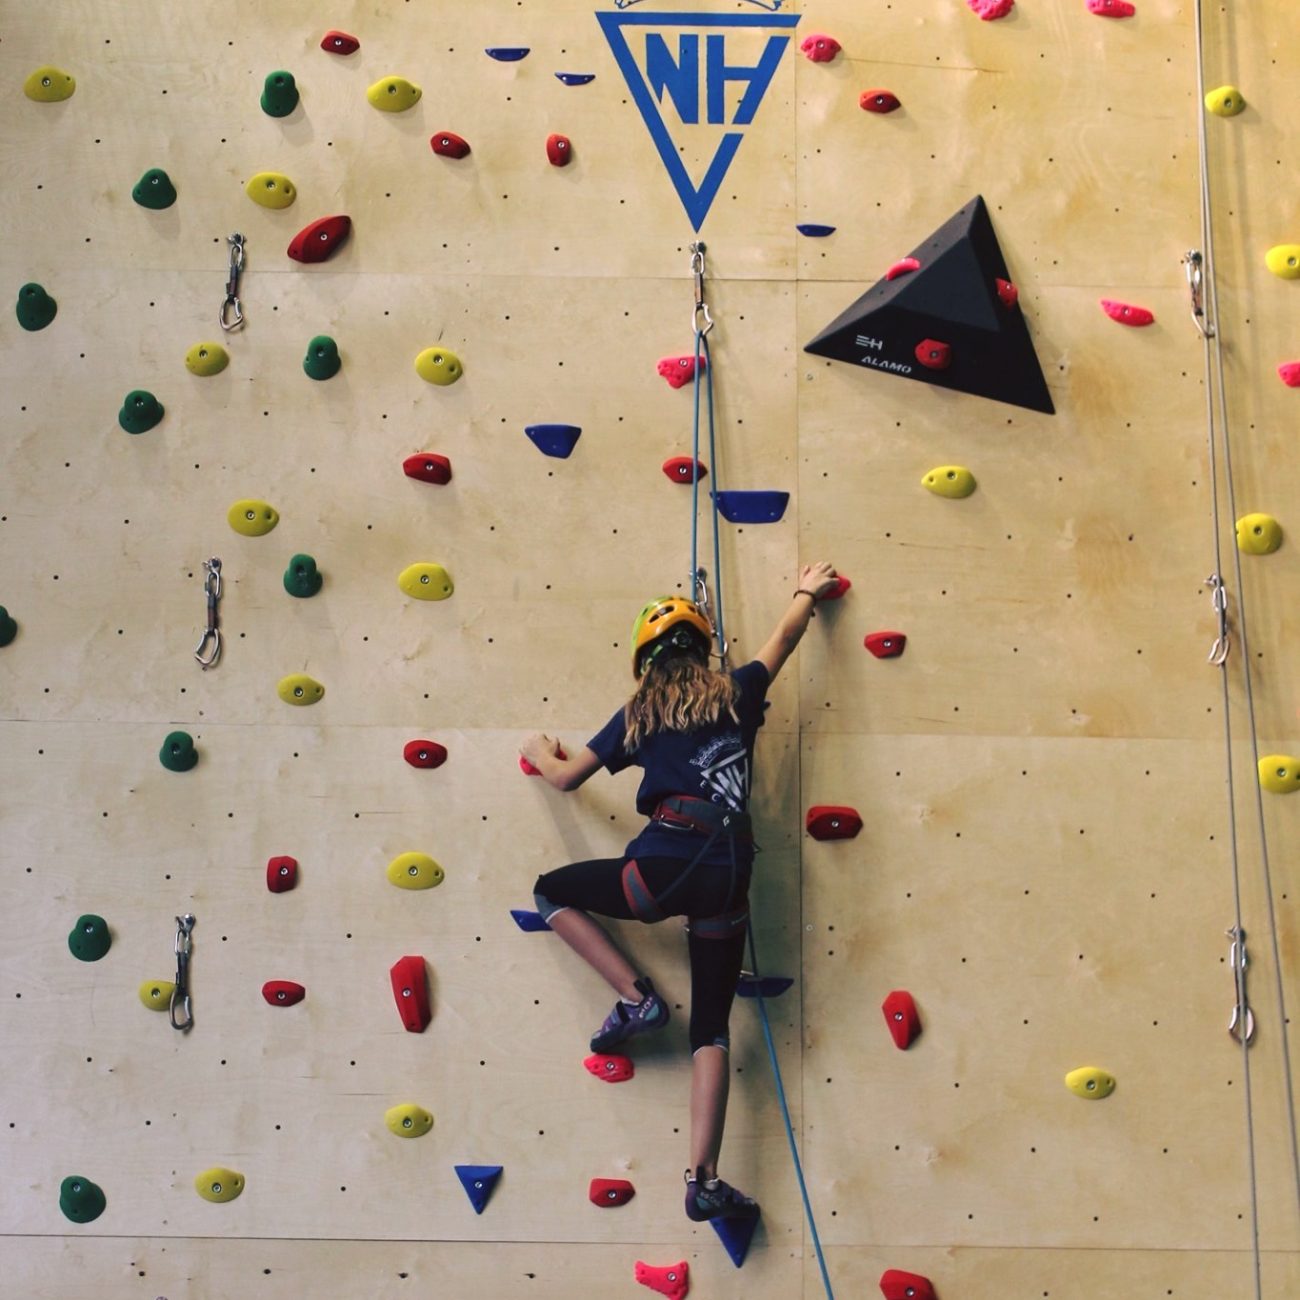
322 360
154 190
178 753
302 578
8 628
140 411
89 939
81 1200
35 309
279 94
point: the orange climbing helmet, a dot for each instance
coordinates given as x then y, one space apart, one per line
650 632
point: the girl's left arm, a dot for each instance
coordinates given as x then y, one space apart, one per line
563 773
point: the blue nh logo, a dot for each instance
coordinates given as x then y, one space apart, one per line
694 77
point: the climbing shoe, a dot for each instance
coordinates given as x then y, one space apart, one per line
627 1020
714 1199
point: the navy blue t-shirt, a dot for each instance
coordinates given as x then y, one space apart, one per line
713 762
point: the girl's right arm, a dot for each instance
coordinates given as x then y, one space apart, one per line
814 581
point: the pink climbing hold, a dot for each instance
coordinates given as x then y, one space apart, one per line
885 645
902 1018
988 10
529 770
682 469
904 266
428 467
1289 373
1111 8
879 101
316 242
559 150
898 1285
424 753
679 370
608 1192
281 875
283 993
1126 313
819 48
411 993
674 1281
1008 294
611 1069
934 355
334 42
447 144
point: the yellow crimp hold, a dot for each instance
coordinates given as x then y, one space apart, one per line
439 366
157 994
219 1184
950 481
271 190
1258 534
252 518
1225 101
206 359
1279 773
393 94
1090 1082
1284 260
408 1121
414 871
298 688
48 85
426 581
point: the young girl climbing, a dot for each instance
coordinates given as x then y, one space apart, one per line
692 731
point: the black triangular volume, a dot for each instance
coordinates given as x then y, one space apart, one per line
951 300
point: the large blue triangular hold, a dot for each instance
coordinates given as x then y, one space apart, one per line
735 1235
752 507
529 922
478 1182
556 440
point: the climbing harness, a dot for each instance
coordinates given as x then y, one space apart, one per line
182 1017
231 315
208 650
1241 1025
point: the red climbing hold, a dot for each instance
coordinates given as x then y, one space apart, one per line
559 149
281 875
529 770
339 43
612 1069
829 821
1289 373
885 645
411 992
607 1192
424 753
447 144
902 1019
1126 313
934 355
898 1285
1007 292
682 469
988 10
879 101
819 47
1111 8
673 1281
316 242
283 993
904 266
428 467
842 584
679 370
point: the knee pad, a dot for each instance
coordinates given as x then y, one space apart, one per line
725 926
545 908
722 1040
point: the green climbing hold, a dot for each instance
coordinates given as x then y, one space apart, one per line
80 1199
178 753
154 190
36 309
279 94
322 360
8 628
89 939
140 411
302 578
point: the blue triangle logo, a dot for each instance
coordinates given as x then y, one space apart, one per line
692 84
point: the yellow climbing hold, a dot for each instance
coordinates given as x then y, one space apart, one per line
393 94
439 366
298 688
426 581
271 190
408 1121
1284 260
219 1184
1279 773
950 481
414 871
206 359
1258 534
48 85
1090 1082
252 518
1225 101
157 994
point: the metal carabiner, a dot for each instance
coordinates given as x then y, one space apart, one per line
231 316
181 993
1243 1018
212 636
1218 655
1195 284
701 308
701 582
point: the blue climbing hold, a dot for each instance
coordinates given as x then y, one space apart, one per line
478 1182
768 986
735 1235
556 440
814 231
752 507
529 922
576 78
506 53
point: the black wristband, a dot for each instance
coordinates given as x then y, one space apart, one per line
803 592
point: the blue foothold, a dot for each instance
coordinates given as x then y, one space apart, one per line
752 507
769 986
735 1235
554 439
478 1182
529 922
506 53
576 78
814 231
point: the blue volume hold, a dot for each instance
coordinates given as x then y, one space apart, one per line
529 922
556 440
768 986
814 231
735 1235
478 1182
507 53
576 78
752 507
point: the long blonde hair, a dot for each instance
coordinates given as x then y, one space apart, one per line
678 693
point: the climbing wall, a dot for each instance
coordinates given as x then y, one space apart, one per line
1045 862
